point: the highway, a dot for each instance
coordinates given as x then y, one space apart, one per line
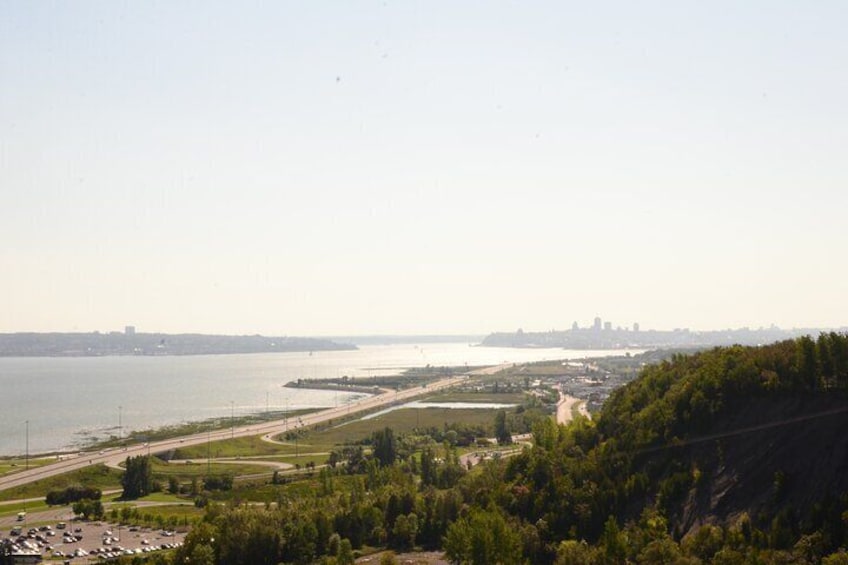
114 456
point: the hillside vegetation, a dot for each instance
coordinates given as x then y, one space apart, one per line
747 439
733 455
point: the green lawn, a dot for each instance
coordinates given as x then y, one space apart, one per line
96 476
352 431
317 458
461 396
185 471
17 464
401 421
240 446
12 509
182 513
303 487
161 497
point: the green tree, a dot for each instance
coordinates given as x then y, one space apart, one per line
333 544
385 446
126 513
806 362
88 509
824 353
428 467
388 558
198 546
201 555
483 537
405 530
345 556
613 543
137 479
839 558
502 433
250 536
571 552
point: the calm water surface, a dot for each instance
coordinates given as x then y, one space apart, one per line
69 400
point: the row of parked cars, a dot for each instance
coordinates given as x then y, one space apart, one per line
115 551
36 541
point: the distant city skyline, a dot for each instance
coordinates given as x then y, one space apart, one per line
606 325
400 168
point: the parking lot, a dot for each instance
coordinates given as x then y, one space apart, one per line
92 541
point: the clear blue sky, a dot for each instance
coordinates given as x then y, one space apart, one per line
397 167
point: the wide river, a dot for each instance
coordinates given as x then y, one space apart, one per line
70 400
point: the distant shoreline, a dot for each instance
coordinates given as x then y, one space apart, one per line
129 344
598 338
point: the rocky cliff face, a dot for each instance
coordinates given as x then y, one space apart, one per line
777 455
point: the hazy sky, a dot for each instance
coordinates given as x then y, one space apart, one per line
319 168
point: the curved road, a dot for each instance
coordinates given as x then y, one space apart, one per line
565 406
114 456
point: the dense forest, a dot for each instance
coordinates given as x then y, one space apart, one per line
732 455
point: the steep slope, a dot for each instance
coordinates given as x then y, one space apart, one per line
761 432
753 435
777 454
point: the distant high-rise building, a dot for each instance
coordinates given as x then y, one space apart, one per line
597 326
607 326
574 327
129 330
635 326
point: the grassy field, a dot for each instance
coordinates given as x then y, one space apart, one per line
183 512
318 458
401 421
460 396
17 464
322 441
180 513
187 470
312 446
240 446
96 476
304 486
12 509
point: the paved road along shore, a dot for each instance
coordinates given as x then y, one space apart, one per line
115 456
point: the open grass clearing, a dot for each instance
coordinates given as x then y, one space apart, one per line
235 447
483 397
95 476
187 470
404 420
304 485
9 466
183 513
162 497
302 460
10 509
